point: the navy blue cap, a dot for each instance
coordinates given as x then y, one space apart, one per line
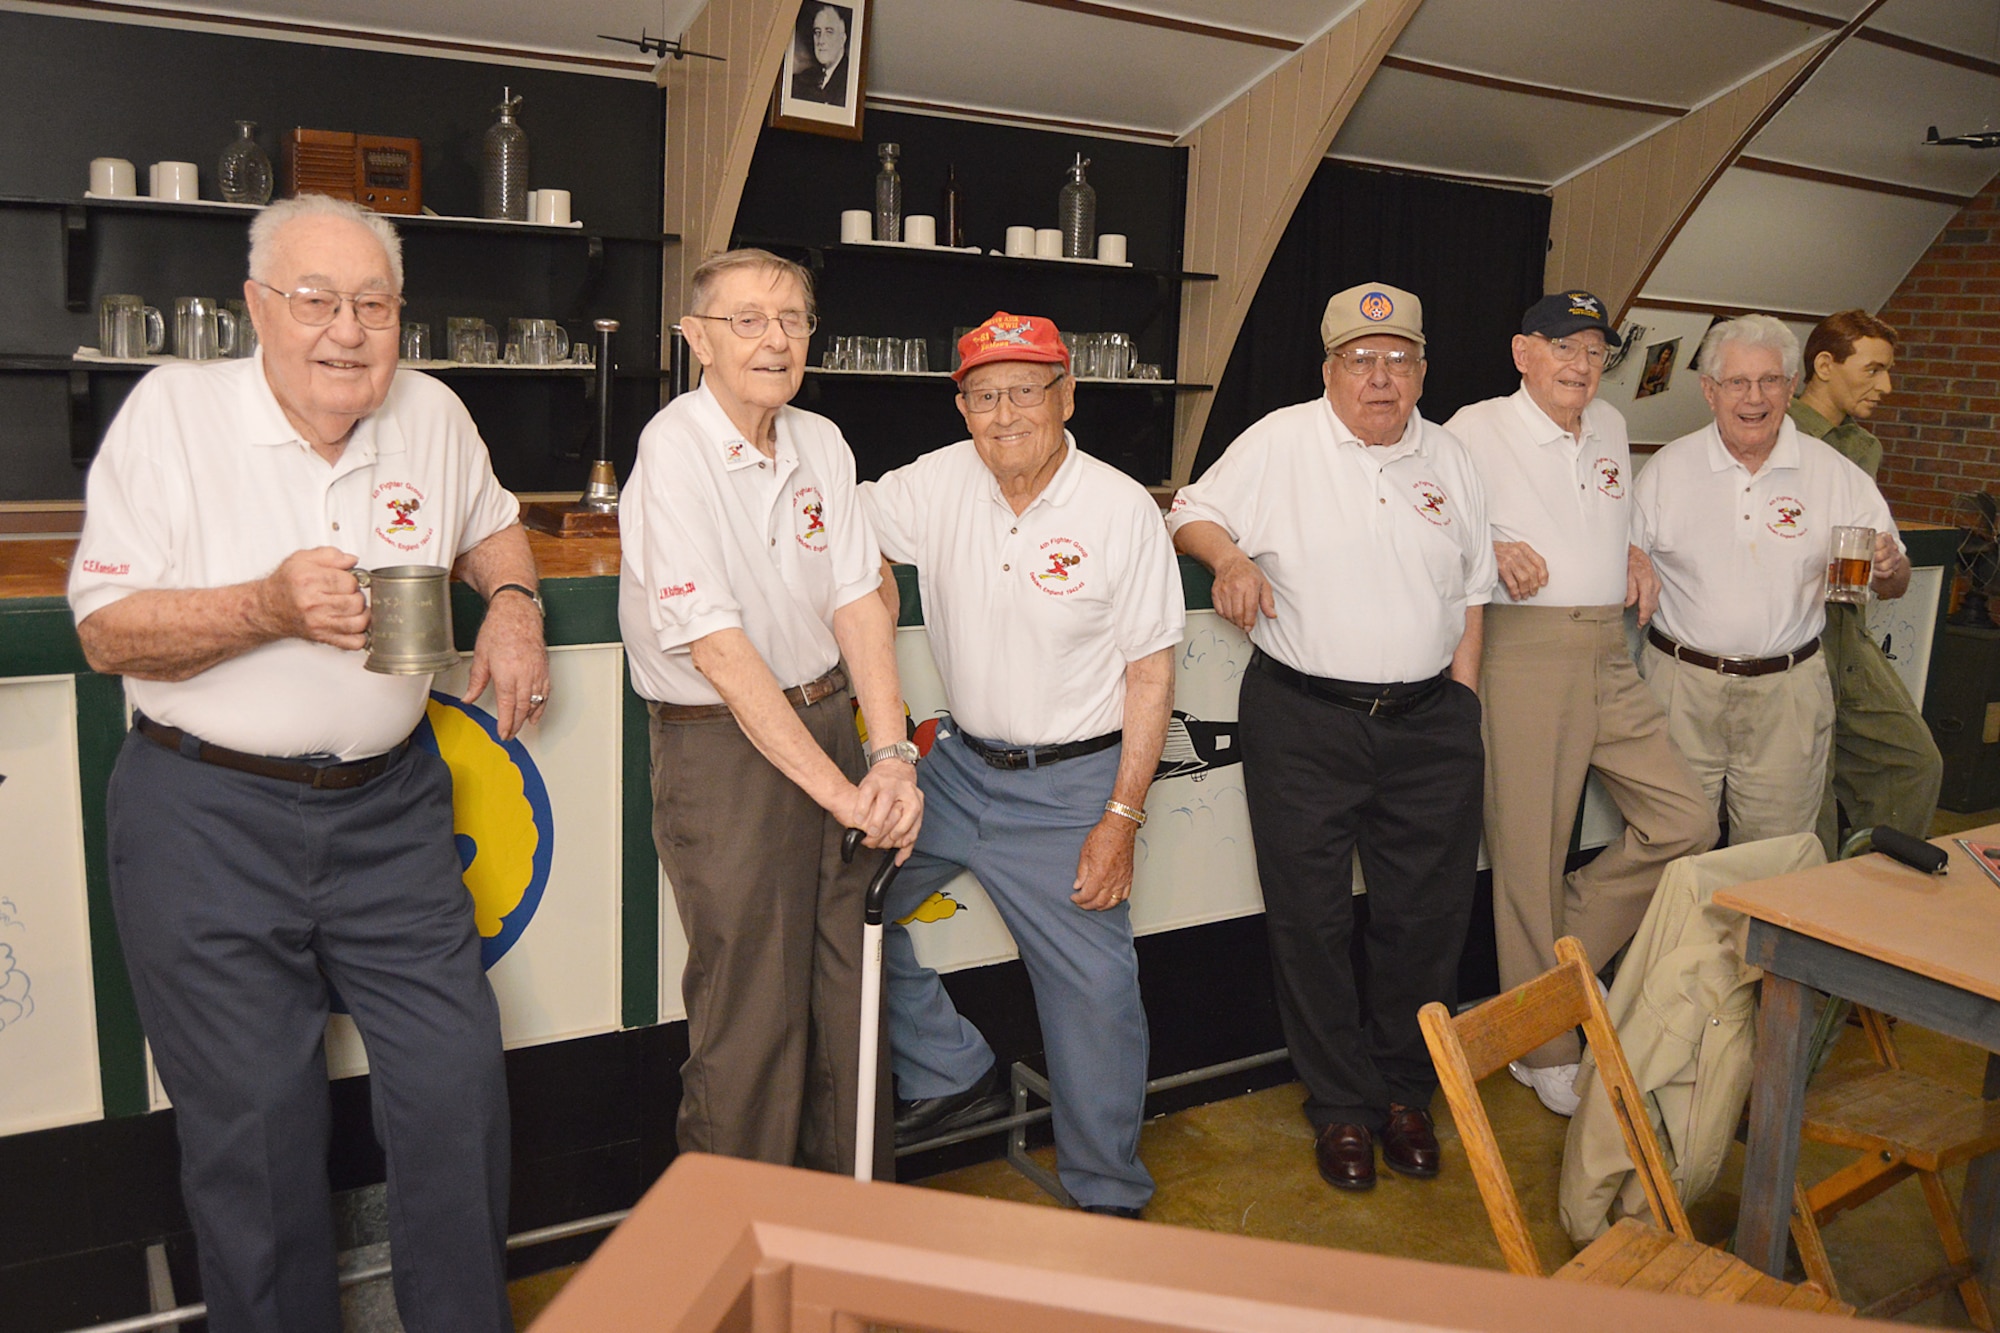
1560 314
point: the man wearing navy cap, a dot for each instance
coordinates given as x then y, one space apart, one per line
1348 538
1562 696
1053 605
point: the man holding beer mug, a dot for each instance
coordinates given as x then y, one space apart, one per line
1885 768
273 832
1348 538
1740 520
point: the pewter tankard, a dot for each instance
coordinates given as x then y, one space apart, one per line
409 619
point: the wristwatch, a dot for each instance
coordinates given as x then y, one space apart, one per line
526 592
903 750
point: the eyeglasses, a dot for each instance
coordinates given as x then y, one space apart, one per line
752 323
1738 385
1020 395
1362 363
1569 349
316 307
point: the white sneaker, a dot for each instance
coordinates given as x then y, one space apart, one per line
1555 1085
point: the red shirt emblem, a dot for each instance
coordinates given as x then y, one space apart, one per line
1431 502
1061 572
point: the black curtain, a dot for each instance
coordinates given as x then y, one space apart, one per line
1472 254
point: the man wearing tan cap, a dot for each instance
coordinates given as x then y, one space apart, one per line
1348 537
1562 696
1053 605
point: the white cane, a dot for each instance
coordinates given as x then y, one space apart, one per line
871 1002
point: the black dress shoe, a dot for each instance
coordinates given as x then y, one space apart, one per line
1113 1210
929 1117
1346 1157
1409 1144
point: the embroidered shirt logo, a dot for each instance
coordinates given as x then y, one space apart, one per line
1376 307
676 590
809 518
1430 503
735 450
403 528
1608 479
1787 516
1061 572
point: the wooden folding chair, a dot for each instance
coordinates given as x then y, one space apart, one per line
1473 1045
1903 1125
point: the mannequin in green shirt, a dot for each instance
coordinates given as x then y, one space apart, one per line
1883 765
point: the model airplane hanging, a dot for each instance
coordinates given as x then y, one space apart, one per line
659 46
1977 139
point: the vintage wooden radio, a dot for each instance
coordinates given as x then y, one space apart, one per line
376 171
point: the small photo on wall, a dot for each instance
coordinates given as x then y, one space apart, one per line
822 82
1659 368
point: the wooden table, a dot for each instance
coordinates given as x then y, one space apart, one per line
1871 930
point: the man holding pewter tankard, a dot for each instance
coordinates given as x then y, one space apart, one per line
273 833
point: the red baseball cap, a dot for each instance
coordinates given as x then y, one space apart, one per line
1005 337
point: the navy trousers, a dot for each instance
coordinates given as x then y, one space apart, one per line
240 900
1020 832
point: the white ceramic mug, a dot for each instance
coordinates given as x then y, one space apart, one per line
1048 243
1111 248
856 224
176 181
920 229
1021 242
550 207
113 177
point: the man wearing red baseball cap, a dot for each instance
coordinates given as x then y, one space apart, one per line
1053 605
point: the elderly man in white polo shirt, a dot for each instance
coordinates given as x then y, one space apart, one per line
1738 518
274 832
1348 537
747 577
1053 605
1562 696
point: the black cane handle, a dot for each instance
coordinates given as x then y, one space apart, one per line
878 886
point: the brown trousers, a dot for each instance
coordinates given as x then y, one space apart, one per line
1562 698
773 924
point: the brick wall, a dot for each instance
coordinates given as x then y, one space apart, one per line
1938 429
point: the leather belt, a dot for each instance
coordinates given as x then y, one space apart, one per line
1038 756
324 777
1731 666
1392 700
799 696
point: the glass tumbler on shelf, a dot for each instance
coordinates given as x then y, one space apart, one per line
1118 358
917 356
892 355
888 194
244 173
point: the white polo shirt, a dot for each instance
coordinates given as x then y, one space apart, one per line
1569 498
716 536
202 482
1373 553
1742 559
1032 619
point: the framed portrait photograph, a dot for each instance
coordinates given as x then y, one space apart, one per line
824 76
1659 368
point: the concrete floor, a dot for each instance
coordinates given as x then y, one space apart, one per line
1245 1166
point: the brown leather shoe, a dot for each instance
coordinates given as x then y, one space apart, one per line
1346 1157
1409 1144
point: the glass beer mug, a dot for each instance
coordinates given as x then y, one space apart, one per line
1848 568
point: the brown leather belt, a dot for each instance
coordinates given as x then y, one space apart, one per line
800 696
325 777
1731 666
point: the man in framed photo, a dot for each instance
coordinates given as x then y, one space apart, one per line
823 33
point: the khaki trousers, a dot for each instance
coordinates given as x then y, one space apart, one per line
773 924
1562 698
1884 767
1761 739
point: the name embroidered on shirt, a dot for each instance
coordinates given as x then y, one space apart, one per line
102 567
676 590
